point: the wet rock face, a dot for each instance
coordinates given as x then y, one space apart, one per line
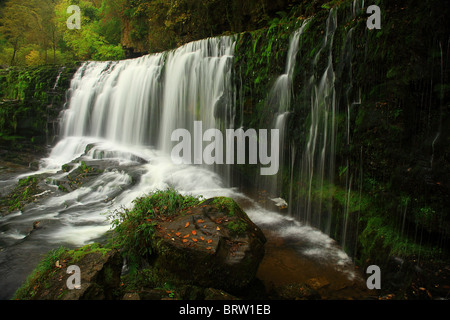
214 244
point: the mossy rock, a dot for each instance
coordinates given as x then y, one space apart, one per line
100 275
78 176
213 244
24 193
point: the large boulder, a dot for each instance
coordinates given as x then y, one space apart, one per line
213 244
100 271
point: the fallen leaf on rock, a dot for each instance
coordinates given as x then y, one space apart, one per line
187 225
178 234
186 236
194 232
200 221
210 240
217 228
185 240
201 238
208 248
193 239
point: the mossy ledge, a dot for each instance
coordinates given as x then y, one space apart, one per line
100 275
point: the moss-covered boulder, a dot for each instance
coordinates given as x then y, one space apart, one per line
213 244
79 174
100 270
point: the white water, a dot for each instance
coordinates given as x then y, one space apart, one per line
125 112
280 99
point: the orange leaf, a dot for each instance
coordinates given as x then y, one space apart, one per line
217 228
193 239
187 225
185 240
210 240
186 236
194 232
208 248
200 221
178 234
201 238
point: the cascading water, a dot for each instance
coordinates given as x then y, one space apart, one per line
121 115
115 101
280 99
313 166
203 92
318 155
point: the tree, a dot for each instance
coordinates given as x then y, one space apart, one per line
26 23
97 39
15 24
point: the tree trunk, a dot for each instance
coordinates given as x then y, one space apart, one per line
16 44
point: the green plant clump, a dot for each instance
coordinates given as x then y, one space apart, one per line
39 275
134 227
22 194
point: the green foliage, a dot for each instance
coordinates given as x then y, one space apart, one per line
98 37
76 254
29 100
30 34
84 167
27 181
22 194
226 204
35 32
134 227
380 240
332 4
47 264
238 227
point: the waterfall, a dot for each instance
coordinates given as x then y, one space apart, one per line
140 102
280 99
197 87
133 106
281 93
58 77
126 109
120 116
115 100
319 152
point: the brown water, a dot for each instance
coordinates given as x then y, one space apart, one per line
299 254
283 265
